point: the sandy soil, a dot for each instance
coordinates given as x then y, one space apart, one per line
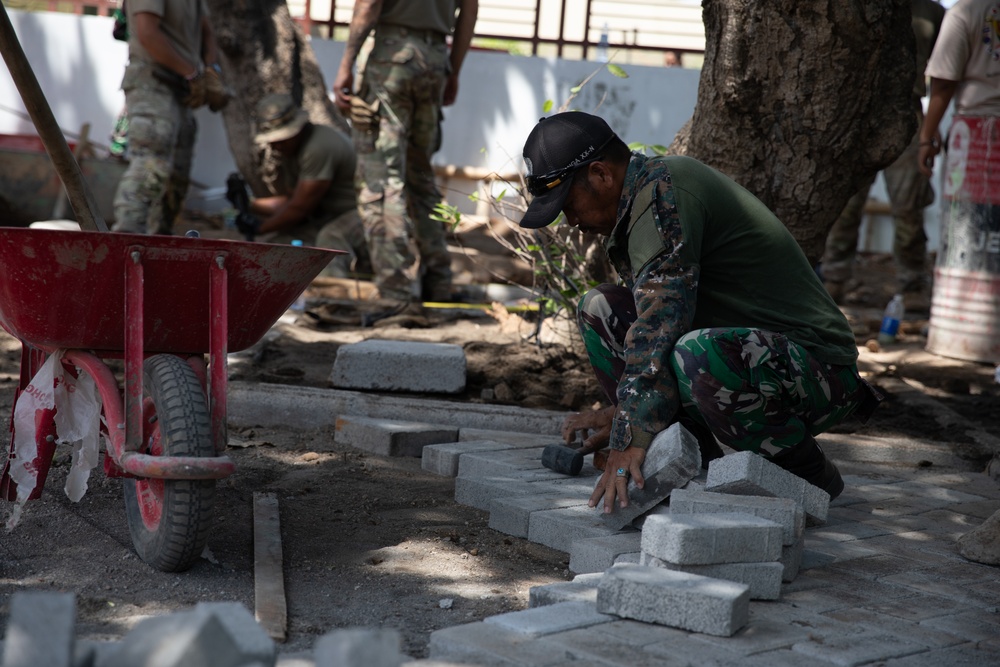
376 541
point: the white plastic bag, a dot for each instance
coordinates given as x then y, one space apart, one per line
77 420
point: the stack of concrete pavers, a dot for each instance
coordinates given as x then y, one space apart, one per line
40 633
392 365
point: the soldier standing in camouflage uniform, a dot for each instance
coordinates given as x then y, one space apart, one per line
909 192
722 323
395 117
172 69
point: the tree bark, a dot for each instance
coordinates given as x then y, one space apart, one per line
263 51
800 101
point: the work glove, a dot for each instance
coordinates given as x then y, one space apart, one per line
236 192
216 93
248 224
197 91
364 116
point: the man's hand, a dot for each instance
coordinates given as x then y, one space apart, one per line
343 86
197 91
216 93
581 423
612 485
927 151
248 224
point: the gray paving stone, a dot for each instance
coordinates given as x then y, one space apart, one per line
492 645
979 593
749 474
973 625
832 598
631 558
640 521
948 524
359 647
620 644
677 599
392 365
764 579
819 553
791 559
596 554
498 463
40 628
583 588
513 438
705 539
559 528
479 492
549 619
873 620
782 511
672 460
442 458
216 634
386 437
857 649
875 567
936 495
959 656
757 636
511 516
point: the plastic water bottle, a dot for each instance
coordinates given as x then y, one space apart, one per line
891 318
602 46
300 303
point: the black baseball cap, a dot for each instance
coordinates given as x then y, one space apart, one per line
557 147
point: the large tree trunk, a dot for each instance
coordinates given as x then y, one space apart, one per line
801 100
263 51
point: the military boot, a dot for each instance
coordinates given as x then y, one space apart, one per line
807 460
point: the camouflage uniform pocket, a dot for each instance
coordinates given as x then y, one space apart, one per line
365 122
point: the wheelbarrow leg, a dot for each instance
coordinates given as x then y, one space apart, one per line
45 430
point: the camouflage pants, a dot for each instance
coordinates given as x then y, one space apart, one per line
403 83
161 134
909 193
755 390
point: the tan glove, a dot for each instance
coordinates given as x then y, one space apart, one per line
216 93
364 117
196 91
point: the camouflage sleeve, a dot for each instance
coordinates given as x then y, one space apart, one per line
665 292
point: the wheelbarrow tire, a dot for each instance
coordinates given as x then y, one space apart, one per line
169 519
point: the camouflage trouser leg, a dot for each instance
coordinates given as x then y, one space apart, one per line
156 125
758 390
344 233
180 178
755 390
404 77
909 193
842 239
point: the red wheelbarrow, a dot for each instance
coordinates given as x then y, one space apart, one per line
161 303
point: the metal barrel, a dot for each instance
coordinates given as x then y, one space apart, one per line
965 303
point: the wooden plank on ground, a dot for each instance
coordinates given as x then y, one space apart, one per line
270 608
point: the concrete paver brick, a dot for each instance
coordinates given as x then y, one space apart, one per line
819 552
479 492
493 645
764 579
513 438
677 599
476 464
549 619
359 647
442 458
672 460
391 365
559 528
749 474
967 655
621 644
386 437
662 508
631 558
596 554
791 559
705 539
973 625
512 516
857 648
40 630
919 634
583 588
757 636
783 511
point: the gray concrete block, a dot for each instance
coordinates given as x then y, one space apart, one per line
596 554
393 365
559 528
218 634
631 558
706 539
513 438
583 588
442 458
672 460
549 619
386 437
662 508
677 599
482 464
783 511
479 492
764 579
40 630
359 647
749 474
512 515
791 559
492 645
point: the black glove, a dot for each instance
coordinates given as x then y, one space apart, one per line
236 192
248 224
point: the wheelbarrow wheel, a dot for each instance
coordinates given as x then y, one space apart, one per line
169 518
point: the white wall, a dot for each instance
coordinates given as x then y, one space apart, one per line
79 67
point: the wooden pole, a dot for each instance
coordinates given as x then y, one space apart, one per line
65 165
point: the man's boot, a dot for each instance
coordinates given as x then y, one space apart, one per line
806 460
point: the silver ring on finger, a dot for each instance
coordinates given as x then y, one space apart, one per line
621 472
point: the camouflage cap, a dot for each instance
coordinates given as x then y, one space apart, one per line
279 118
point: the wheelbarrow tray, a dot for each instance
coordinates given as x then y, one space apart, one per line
66 289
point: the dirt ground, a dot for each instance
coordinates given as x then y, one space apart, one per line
373 541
